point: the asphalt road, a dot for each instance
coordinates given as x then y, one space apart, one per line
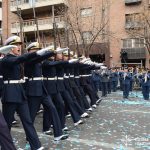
114 125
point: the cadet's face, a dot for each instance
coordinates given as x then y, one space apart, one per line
17 51
65 58
59 57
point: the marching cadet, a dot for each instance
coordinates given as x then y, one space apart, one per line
114 80
104 81
83 82
96 80
37 93
71 85
13 97
92 66
121 78
69 102
126 83
1 77
50 81
6 141
109 81
77 82
145 82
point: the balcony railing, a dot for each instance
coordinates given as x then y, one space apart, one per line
25 4
132 25
135 53
43 24
130 2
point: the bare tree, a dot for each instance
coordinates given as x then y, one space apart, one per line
140 27
86 24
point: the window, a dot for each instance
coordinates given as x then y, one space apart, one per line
86 12
133 20
133 43
87 36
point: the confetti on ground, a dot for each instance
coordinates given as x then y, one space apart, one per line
114 125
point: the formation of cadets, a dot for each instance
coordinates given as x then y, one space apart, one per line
125 79
60 84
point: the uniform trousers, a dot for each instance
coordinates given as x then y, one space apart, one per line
126 90
6 141
104 88
76 101
109 87
71 105
114 86
145 92
89 91
49 111
23 110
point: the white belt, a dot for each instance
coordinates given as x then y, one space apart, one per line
84 75
1 76
77 77
60 78
50 78
35 78
72 76
66 77
14 81
25 78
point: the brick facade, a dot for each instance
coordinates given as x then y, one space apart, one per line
110 11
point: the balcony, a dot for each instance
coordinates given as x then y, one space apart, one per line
26 5
133 25
43 24
135 53
132 2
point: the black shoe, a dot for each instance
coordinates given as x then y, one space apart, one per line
40 111
62 137
49 132
15 122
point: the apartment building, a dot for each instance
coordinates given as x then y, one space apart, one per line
125 22
76 23
33 20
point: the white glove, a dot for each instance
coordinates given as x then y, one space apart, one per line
6 49
60 50
73 61
42 51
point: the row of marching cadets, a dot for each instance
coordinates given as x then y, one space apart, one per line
44 77
110 79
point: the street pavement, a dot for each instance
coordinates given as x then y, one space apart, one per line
114 125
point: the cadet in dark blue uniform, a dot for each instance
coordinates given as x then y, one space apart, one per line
114 80
109 86
13 97
77 81
71 105
37 93
86 86
50 80
71 85
145 82
126 83
6 141
104 81
1 77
